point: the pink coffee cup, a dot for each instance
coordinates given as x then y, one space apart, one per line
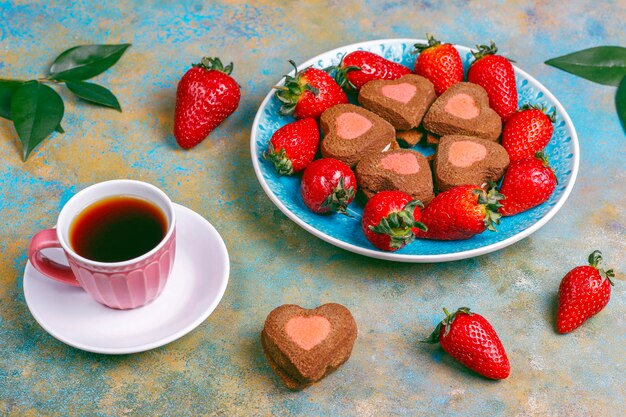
122 285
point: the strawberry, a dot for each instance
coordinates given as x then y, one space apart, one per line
308 93
527 131
469 338
527 183
359 67
205 97
293 146
583 292
496 75
460 213
440 63
391 219
328 185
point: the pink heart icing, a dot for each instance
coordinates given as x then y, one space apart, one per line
403 92
401 163
307 332
352 125
464 153
463 106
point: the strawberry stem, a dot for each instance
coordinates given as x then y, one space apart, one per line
214 64
491 202
340 197
397 225
594 261
431 41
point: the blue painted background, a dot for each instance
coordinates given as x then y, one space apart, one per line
219 367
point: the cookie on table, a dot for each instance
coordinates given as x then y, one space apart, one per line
402 169
303 346
351 132
462 160
402 102
463 109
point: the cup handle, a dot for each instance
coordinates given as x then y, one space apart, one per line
54 270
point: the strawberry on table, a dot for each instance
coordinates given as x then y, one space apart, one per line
293 146
360 67
469 338
328 185
527 131
440 63
584 291
391 219
527 183
308 93
496 75
460 213
205 97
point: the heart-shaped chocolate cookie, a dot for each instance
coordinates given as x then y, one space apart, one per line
401 169
463 160
303 346
351 132
463 109
402 102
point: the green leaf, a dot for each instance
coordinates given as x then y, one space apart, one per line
620 102
601 64
83 62
94 93
37 111
7 88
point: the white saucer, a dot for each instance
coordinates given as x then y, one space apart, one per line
194 289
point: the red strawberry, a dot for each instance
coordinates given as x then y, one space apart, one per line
205 97
496 75
328 185
527 131
460 213
359 67
293 146
583 292
440 63
527 183
308 93
469 338
391 219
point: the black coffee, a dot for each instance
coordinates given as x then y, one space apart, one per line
117 229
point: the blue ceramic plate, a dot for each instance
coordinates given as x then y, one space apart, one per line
345 232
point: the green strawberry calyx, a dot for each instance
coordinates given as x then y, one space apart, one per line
445 324
214 64
340 197
289 94
544 160
341 75
551 115
398 225
280 159
486 50
491 202
594 261
431 42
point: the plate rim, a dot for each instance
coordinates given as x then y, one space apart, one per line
161 341
391 256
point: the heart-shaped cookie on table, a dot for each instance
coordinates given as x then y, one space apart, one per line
304 345
351 132
463 160
401 169
402 102
463 109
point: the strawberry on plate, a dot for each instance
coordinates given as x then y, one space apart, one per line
527 183
293 146
328 185
440 63
496 75
469 338
527 131
308 93
391 219
584 291
206 95
460 213
360 67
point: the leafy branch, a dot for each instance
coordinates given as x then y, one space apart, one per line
36 109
